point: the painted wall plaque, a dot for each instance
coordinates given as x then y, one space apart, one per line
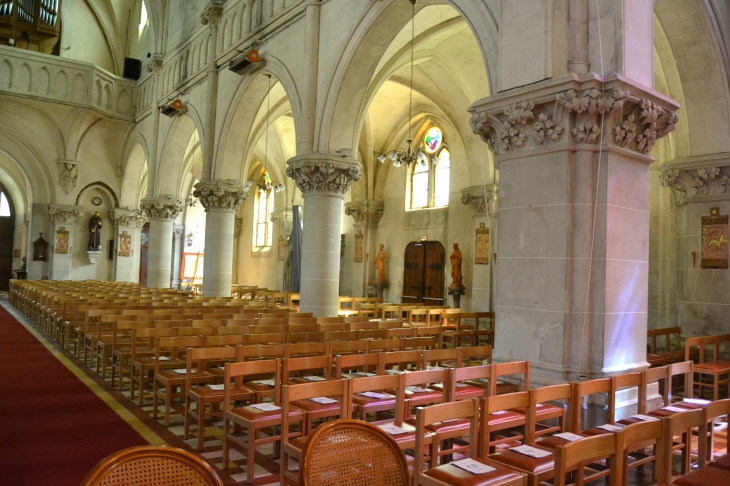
62 241
125 244
481 249
714 240
359 246
280 251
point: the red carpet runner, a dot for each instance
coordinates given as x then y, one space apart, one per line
53 429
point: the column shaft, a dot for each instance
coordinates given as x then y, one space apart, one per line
159 263
217 271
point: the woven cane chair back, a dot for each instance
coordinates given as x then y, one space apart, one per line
353 453
152 466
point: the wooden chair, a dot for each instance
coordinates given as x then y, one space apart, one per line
143 364
417 391
636 437
497 415
466 412
348 347
399 361
356 365
476 355
511 368
153 464
684 374
207 398
296 396
710 370
664 346
585 413
249 417
681 425
383 345
714 410
354 452
298 350
418 343
570 456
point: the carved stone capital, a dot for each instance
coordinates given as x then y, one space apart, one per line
481 199
155 64
128 217
284 220
318 173
212 13
213 195
365 211
61 213
68 173
162 208
705 178
178 231
569 112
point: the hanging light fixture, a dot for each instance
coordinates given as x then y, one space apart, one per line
266 184
411 155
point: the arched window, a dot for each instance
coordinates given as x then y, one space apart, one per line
4 206
264 207
428 184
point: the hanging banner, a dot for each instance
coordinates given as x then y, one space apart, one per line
62 241
359 246
714 240
481 248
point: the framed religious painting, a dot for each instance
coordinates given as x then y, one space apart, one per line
62 240
359 246
481 247
125 244
714 240
280 252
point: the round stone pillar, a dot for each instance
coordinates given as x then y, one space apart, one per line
221 203
323 180
162 214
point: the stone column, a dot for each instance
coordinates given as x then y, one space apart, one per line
127 223
63 218
162 214
483 202
572 281
221 201
210 17
154 66
177 250
323 180
283 220
366 214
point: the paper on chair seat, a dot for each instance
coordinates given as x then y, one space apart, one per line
393 429
182 371
499 412
417 389
364 373
323 400
434 367
164 358
314 378
266 407
460 385
531 451
376 395
266 382
472 466
610 428
675 409
697 401
645 418
394 372
569 437
222 386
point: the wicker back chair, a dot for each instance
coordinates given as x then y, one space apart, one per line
352 452
152 466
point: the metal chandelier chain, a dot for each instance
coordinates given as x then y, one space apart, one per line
266 139
410 96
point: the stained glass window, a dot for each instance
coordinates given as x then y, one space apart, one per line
432 140
419 186
428 184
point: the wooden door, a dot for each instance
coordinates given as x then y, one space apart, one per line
423 273
143 252
7 231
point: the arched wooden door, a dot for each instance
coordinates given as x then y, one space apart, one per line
423 273
7 234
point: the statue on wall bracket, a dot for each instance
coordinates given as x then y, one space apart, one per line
714 240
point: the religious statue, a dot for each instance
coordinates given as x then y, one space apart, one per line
380 264
95 232
456 267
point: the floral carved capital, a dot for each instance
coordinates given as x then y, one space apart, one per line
217 197
611 112
211 14
481 199
125 217
63 214
323 174
366 211
697 179
284 220
162 208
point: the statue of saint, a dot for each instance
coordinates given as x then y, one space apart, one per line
95 232
456 267
380 264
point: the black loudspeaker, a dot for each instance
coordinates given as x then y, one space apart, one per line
111 249
132 68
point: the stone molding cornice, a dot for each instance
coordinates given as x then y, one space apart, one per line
68 174
571 111
698 179
62 213
212 13
135 218
162 209
481 199
323 174
214 195
365 211
284 220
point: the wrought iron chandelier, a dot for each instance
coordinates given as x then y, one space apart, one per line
411 155
267 184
